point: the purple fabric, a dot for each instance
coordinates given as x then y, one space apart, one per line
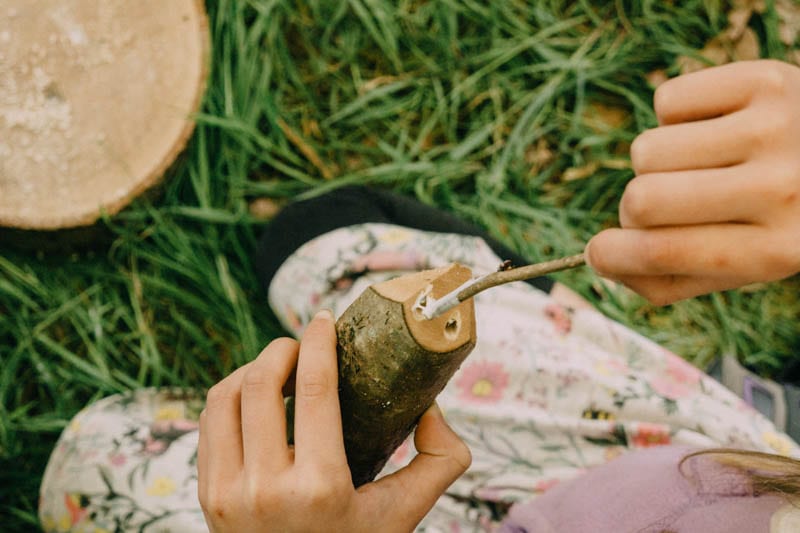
643 491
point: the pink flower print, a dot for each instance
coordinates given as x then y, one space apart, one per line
117 459
152 446
342 284
164 432
77 505
489 494
559 317
682 371
89 455
648 435
568 378
485 522
612 367
293 320
618 366
483 381
173 427
543 485
678 380
408 260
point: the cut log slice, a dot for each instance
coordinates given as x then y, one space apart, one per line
96 100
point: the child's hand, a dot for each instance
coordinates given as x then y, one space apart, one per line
716 199
249 479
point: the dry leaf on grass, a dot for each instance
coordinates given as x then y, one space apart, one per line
721 50
538 156
788 18
747 48
739 16
311 128
738 42
789 21
657 77
584 171
374 83
603 118
264 208
616 164
581 172
753 287
306 149
428 142
483 97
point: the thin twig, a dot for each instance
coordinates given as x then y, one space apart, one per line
433 307
520 273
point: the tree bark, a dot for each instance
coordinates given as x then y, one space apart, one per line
393 363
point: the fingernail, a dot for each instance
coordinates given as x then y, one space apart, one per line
325 314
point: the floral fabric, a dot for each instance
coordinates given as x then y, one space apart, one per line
126 463
547 393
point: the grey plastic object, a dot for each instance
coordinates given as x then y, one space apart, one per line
765 395
793 411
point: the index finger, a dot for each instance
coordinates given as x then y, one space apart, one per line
704 250
318 420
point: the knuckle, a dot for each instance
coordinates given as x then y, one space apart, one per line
781 190
338 475
259 497
219 394
257 378
634 205
761 136
319 494
654 252
313 384
769 129
789 198
772 77
216 503
641 156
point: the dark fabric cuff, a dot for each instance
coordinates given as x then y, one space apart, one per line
302 221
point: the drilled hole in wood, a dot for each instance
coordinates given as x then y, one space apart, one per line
452 326
422 301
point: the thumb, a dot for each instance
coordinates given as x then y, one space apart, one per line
434 438
442 458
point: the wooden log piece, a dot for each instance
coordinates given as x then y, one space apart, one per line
393 363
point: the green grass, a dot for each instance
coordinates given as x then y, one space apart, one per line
445 100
